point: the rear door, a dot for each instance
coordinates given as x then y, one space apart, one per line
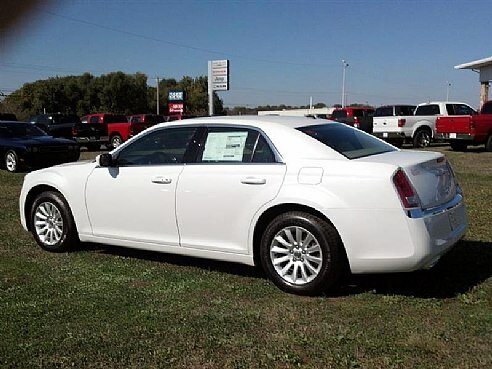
235 174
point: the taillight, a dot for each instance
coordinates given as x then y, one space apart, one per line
472 125
74 131
408 196
401 122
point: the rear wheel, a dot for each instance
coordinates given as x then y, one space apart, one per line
116 141
301 253
458 145
422 138
11 161
488 144
52 223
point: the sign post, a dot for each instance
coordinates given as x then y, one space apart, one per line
218 80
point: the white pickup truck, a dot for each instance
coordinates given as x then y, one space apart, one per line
420 127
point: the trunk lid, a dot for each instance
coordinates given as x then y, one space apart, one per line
430 174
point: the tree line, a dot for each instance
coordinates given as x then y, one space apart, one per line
115 92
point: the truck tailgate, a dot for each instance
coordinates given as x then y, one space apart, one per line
453 124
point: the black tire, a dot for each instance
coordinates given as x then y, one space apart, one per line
115 141
11 161
51 222
422 138
458 145
488 144
320 261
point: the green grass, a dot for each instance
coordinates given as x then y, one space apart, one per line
108 307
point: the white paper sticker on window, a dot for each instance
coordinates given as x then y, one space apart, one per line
225 146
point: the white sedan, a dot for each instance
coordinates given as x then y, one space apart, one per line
305 200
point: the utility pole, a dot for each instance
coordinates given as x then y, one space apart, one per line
345 65
157 79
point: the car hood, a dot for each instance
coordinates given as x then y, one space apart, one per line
429 172
42 140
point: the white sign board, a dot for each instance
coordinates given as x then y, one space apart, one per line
220 75
225 146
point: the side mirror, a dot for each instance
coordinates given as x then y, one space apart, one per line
105 160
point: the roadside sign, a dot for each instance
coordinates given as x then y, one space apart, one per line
175 107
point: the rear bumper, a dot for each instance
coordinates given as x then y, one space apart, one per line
455 136
92 140
390 241
390 135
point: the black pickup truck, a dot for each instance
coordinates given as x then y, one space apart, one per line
90 135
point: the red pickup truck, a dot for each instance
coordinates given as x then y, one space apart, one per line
119 128
464 130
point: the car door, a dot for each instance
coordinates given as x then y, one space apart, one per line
135 199
237 171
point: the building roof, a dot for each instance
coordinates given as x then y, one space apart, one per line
477 64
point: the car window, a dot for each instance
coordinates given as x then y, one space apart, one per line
349 142
94 120
459 109
404 110
20 130
487 108
384 111
235 145
163 146
431 109
337 114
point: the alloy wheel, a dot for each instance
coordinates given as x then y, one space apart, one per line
48 223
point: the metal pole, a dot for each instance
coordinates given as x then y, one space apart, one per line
210 90
447 90
157 78
345 65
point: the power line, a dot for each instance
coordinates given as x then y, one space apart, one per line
184 46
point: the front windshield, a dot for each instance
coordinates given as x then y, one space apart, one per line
351 143
20 130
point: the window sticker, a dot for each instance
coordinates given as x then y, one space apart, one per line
225 146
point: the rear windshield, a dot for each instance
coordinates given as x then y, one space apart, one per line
20 130
348 141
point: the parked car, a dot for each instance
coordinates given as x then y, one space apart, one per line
69 126
281 192
8 117
358 117
24 146
118 127
419 127
463 130
385 116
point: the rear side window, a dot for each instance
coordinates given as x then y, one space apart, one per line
404 110
431 109
385 111
349 142
487 108
235 145
337 114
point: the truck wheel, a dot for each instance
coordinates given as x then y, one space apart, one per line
301 253
11 161
458 145
422 138
488 144
116 141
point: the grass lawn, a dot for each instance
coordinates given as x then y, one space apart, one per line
108 307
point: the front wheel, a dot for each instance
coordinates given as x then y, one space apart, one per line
11 161
422 138
52 223
301 253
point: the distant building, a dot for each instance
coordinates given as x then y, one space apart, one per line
484 68
321 112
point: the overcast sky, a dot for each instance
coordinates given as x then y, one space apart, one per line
279 51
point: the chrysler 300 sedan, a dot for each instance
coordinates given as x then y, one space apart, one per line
305 200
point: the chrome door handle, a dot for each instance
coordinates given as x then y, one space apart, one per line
253 181
161 180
